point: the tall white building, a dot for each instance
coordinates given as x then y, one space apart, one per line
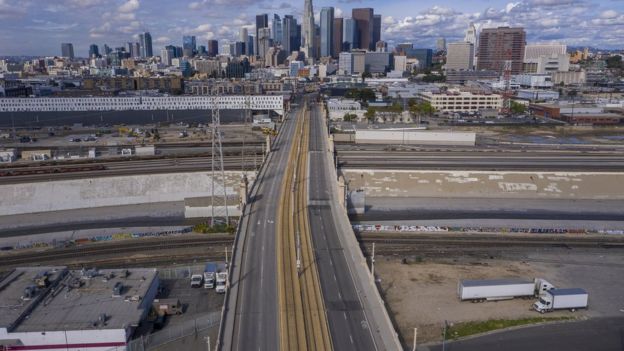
307 30
345 63
471 35
459 56
546 58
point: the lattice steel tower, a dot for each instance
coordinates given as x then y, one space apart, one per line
219 196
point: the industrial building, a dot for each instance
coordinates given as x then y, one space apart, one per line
462 101
50 308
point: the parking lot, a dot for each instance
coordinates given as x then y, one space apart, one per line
423 293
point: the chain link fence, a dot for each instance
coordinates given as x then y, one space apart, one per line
180 272
191 332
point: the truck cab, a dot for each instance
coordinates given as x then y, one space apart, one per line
543 304
196 280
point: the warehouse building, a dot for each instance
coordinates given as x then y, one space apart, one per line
50 308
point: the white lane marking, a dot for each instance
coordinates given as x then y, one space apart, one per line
351 337
344 314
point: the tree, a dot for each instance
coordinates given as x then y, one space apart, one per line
365 75
517 108
370 114
615 62
348 117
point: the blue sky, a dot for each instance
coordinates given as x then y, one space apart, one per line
37 27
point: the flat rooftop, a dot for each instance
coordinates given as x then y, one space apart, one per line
12 306
75 300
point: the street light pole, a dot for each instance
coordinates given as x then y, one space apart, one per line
415 339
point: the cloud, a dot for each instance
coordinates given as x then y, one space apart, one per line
10 9
608 14
129 6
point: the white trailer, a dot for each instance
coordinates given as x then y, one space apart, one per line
495 289
560 299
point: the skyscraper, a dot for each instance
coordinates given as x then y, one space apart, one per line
376 29
364 34
243 36
136 49
145 40
276 33
307 29
289 40
67 50
327 31
213 47
264 42
166 54
349 34
249 45
441 44
107 49
262 21
459 56
189 45
94 51
497 45
337 40
471 35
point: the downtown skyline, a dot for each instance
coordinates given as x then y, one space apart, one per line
28 29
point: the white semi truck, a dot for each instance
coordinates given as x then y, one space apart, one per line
501 289
560 299
222 277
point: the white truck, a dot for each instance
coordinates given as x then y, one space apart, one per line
501 289
210 273
196 280
222 278
559 299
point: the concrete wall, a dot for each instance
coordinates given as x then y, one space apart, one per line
109 191
453 184
76 338
414 137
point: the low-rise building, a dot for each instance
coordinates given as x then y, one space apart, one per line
46 308
462 101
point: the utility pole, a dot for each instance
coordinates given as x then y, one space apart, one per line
226 256
415 339
444 336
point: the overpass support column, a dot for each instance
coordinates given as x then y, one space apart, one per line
342 192
267 150
244 191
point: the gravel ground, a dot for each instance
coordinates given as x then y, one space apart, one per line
424 294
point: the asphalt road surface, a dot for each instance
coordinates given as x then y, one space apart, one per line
347 320
604 334
252 321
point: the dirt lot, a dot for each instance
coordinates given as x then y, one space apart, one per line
424 294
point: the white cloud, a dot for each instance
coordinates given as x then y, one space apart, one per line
129 6
608 14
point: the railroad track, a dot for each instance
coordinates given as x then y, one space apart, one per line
303 322
110 249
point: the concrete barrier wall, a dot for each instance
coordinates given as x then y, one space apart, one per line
109 191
